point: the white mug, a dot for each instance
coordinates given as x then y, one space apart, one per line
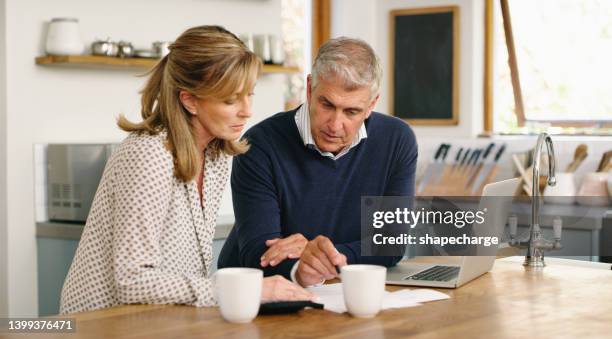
363 287
238 292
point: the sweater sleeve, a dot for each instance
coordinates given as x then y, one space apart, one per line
256 209
142 195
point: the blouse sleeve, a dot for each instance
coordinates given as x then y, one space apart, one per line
143 180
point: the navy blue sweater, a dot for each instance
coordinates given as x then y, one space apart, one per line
281 187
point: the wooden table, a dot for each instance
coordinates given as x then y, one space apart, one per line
508 302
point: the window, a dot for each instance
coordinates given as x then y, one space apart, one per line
306 25
564 52
295 27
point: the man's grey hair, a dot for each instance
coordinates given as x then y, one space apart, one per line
352 61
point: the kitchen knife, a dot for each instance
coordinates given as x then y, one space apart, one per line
472 161
464 170
462 164
431 166
457 159
439 168
426 175
478 168
445 175
487 168
469 167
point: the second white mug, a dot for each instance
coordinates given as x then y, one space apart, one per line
363 287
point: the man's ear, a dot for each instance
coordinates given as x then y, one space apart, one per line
188 101
308 89
372 104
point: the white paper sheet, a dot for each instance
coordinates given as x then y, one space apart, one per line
332 298
419 295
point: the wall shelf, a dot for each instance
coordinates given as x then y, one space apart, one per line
95 61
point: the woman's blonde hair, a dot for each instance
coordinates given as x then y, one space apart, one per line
208 62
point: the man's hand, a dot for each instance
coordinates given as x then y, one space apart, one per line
318 262
280 249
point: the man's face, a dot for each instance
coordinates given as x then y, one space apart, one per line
337 114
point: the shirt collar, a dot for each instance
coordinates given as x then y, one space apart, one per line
302 120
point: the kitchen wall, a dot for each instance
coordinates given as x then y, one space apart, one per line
369 20
3 198
54 104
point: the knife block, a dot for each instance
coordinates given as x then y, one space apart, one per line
487 180
454 182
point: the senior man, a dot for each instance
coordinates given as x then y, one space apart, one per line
297 191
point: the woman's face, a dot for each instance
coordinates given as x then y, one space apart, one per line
220 118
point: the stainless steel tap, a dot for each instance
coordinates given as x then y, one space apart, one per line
536 244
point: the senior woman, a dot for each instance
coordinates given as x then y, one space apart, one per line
148 237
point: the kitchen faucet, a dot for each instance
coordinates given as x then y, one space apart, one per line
536 244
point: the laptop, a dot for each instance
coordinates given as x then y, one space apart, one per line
448 272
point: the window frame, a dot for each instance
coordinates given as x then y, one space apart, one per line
321 24
489 72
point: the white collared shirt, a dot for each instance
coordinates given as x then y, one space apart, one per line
302 120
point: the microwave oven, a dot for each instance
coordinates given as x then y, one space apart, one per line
73 174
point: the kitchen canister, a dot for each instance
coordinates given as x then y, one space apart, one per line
64 37
161 48
594 190
277 54
564 191
261 47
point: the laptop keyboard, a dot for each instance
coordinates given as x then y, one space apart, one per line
436 273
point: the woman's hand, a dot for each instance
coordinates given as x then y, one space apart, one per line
280 249
277 288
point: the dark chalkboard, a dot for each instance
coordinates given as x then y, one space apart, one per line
424 53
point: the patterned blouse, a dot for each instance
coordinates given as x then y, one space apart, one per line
147 238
